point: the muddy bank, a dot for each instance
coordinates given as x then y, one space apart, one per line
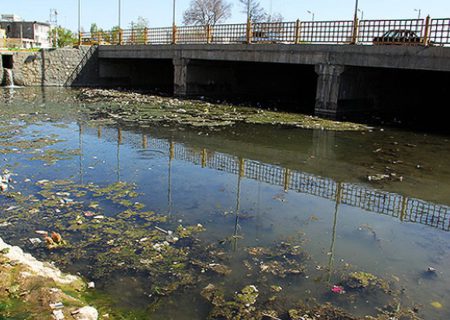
31 289
137 108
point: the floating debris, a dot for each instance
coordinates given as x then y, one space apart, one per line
58 315
141 109
436 305
58 305
338 289
363 281
54 241
35 241
431 270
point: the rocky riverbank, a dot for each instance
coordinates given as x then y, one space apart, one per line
142 109
32 289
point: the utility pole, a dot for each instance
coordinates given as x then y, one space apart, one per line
79 22
313 15
355 24
355 18
120 14
54 24
362 13
173 13
419 11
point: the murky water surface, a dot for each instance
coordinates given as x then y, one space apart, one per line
289 211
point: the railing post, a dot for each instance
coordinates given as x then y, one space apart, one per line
133 36
145 37
99 37
120 37
208 34
249 31
286 179
204 158
241 167
426 36
297 31
172 150
174 34
355 31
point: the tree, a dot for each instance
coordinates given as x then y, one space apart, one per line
276 18
94 28
253 10
141 23
138 30
114 35
64 37
207 12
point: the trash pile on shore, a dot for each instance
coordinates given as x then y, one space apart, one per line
141 109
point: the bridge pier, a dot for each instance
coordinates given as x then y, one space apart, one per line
180 75
328 89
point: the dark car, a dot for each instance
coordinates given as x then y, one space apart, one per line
399 37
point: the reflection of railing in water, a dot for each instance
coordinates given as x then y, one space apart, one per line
392 204
386 203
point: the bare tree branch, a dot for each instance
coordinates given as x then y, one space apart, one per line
253 10
207 12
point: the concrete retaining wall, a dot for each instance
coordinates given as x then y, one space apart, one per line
45 68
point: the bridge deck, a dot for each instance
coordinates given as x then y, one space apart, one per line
398 57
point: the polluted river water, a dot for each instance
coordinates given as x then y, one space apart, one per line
236 222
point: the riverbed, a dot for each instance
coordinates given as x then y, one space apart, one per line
258 221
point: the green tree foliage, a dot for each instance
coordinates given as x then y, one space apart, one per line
64 37
138 30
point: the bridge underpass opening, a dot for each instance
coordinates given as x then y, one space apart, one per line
289 87
408 98
155 75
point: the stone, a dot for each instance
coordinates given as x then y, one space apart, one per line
86 313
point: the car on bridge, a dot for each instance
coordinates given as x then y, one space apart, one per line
399 37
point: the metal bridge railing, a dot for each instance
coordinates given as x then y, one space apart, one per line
228 33
440 31
394 31
323 32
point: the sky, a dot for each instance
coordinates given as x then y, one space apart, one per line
159 12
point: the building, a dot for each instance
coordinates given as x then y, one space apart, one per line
10 18
25 34
2 38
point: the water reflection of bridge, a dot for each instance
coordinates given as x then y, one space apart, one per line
391 204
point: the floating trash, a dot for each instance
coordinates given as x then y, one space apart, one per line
58 305
338 289
35 241
436 304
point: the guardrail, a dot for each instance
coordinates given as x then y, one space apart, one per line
423 32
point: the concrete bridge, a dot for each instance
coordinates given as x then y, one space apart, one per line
327 80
